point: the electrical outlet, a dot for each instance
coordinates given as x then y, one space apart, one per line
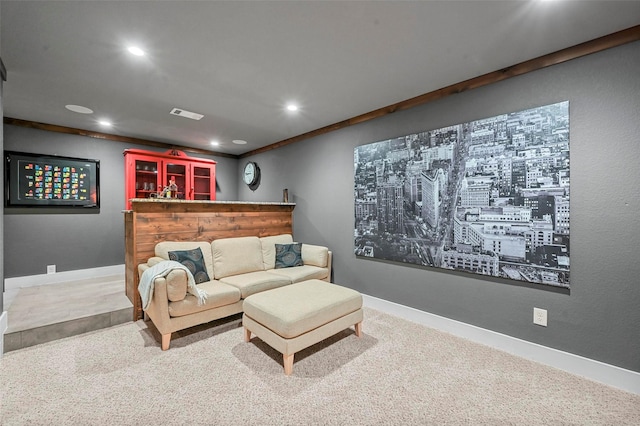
540 316
51 269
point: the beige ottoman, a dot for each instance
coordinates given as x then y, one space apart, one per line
299 315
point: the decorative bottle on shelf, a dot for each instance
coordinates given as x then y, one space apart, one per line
173 188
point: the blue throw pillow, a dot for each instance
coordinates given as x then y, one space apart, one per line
194 261
288 255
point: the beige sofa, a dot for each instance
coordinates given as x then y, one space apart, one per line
236 267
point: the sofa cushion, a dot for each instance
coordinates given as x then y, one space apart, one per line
218 294
269 248
315 255
301 273
288 255
255 282
162 250
233 256
193 261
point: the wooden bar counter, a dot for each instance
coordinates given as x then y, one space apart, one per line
151 221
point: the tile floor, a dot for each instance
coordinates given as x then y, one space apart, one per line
44 313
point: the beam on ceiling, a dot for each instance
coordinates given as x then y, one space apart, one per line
593 46
109 137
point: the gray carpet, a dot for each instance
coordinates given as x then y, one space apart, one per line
398 373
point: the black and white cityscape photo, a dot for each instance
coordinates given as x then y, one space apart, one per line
489 197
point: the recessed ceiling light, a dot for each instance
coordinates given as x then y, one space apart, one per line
105 123
239 142
134 50
215 143
79 109
292 107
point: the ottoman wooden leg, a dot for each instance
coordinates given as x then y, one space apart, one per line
359 329
288 363
247 334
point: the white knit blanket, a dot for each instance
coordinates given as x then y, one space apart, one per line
162 269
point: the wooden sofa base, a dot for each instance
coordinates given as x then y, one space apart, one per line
174 324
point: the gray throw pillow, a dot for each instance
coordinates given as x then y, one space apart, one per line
194 261
288 255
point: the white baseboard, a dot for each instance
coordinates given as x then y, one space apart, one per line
4 323
60 277
607 374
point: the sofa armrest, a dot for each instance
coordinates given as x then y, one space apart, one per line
141 268
155 260
315 255
158 309
177 283
319 256
176 280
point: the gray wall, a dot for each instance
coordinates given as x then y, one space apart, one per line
599 318
35 238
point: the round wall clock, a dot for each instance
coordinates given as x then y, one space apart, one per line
251 173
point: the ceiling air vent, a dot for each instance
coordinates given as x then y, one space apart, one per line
186 114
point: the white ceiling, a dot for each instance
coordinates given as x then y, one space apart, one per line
239 62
